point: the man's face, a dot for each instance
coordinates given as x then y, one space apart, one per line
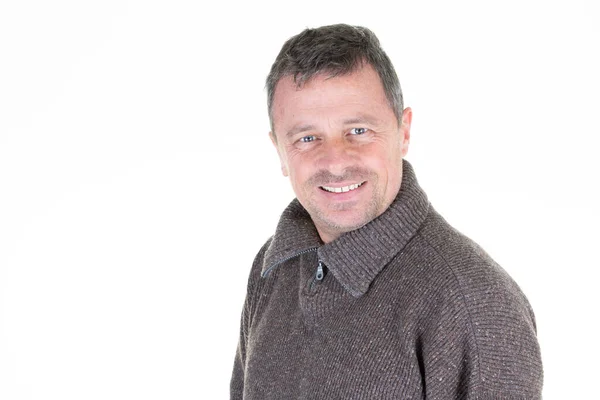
341 145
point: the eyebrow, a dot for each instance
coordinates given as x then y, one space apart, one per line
299 129
361 119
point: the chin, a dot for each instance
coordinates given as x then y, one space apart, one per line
343 225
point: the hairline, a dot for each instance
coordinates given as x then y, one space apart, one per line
302 79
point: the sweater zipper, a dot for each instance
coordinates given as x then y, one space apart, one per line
318 276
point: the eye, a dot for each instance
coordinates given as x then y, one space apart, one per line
358 131
307 139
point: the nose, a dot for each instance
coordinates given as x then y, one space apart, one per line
336 156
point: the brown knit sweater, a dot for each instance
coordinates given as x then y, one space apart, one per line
407 308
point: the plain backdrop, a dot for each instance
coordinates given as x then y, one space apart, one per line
137 180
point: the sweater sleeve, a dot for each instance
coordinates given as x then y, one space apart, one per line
237 378
239 364
481 342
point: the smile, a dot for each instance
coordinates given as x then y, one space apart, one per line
342 189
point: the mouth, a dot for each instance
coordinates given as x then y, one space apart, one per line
342 189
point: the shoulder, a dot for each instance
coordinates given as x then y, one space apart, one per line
480 279
257 264
497 315
254 277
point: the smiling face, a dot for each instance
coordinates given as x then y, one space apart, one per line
341 146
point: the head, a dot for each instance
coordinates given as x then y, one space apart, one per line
333 50
338 124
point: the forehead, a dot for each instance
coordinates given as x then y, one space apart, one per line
329 97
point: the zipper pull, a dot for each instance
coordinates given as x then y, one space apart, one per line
320 273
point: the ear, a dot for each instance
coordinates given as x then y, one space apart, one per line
405 130
284 169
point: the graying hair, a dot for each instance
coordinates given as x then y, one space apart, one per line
334 50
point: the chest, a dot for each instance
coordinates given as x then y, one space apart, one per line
311 339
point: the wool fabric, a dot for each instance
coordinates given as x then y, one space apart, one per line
405 307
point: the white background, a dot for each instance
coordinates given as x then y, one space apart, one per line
137 180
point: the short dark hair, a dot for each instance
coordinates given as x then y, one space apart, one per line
336 50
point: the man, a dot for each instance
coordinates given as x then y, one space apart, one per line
364 291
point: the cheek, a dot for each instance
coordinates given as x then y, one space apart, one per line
386 164
385 156
299 171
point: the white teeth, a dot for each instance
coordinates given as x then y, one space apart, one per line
342 189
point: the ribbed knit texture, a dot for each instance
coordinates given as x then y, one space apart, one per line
409 309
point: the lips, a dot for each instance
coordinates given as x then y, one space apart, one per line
342 189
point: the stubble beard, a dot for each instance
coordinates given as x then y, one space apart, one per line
324 215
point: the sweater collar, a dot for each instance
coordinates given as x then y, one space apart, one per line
356 257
